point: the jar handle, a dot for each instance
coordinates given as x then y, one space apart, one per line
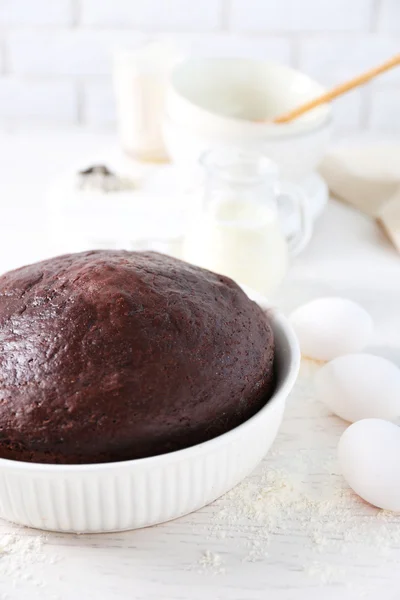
296 198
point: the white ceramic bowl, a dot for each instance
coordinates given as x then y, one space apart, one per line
217 101
138 493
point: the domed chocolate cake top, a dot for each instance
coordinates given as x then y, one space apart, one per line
114 355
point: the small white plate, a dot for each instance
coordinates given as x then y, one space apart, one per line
151 216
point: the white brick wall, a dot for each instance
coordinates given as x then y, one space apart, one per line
300 15
385 111
331 60
50 101
276 48
153 15
55 55
66 52
35 12
98 103
389 17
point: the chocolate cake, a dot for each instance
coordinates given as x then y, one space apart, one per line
114 355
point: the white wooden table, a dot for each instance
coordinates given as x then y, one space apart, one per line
305 536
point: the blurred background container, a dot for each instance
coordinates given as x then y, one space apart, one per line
58 114
55 62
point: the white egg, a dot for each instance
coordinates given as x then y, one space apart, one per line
360 386
369 453
329 327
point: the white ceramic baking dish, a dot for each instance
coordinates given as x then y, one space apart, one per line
138 493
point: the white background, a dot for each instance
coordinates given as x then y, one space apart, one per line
55 54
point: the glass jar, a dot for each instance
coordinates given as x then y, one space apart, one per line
236 229
140 77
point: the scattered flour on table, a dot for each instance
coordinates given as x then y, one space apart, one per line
211 562
282 500
19 555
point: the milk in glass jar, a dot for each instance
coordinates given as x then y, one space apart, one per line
236 230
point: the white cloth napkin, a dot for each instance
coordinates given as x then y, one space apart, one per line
368 177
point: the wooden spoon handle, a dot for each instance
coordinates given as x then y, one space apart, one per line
339 90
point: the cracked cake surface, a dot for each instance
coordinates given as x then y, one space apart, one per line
113 355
